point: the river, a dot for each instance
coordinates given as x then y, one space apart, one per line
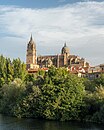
11 123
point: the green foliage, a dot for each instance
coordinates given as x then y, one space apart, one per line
62 95
89 85
54 95
9 70
19 69
29 78
99 81
93 105
27 106
10 95
2 70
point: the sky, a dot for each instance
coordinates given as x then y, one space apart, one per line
79 23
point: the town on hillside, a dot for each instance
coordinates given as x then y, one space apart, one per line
75 64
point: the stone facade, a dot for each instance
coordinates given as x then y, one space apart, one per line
31 58
95 72
60 60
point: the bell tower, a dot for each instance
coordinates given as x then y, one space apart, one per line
65 52
31 58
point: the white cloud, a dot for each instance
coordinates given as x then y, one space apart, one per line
80 24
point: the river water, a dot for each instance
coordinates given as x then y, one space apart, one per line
11 123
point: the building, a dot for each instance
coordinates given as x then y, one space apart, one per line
65 59
31 58
80 71
95 72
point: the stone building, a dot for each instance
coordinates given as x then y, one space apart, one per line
95 72
31 58
61 60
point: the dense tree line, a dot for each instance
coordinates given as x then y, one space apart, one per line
9 70
53 95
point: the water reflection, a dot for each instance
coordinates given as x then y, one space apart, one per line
11 123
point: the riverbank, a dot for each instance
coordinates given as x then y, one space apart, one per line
12 123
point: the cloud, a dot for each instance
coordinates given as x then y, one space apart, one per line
80 25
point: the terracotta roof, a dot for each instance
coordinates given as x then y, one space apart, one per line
44 68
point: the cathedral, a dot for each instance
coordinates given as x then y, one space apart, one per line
65 59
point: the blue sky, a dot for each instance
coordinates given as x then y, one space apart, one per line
40 3
80 23
36 3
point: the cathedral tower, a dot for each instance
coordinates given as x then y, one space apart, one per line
31 59
65 52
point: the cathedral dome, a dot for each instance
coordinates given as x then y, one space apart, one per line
65 49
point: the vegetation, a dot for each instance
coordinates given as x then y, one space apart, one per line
53 95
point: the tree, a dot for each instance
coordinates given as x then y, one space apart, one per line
9 71
62 95
2 70
10 95
19 69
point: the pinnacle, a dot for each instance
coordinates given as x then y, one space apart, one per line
31 37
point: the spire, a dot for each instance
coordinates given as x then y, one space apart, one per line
65 44
31 43
31 37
